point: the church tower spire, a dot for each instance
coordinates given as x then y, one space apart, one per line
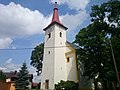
55 18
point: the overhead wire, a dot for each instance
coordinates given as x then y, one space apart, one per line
33 48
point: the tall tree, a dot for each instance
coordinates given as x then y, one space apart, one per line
110 13
95 50
22 81
37 57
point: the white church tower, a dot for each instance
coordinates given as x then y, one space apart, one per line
59 61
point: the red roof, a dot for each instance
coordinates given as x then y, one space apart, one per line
55 14
55 18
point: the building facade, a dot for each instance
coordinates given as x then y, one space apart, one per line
59 61
10 77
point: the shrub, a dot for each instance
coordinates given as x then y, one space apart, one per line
66 85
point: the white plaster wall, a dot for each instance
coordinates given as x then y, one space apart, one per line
54 68
59 64
48 59
71 68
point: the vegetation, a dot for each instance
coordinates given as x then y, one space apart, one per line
94 40
2 76
22 81
37 57
66 85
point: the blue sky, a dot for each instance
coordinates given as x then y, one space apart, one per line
22 23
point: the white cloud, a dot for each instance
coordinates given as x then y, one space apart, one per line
73 21
10 66
73 4
2 68
17 21
5 42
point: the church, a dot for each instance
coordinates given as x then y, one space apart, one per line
59 60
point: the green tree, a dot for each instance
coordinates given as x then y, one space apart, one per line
110 13
37 57
66 85
22 81
2 76
95 52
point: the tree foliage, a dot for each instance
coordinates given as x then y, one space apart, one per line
109 13
2 76
66 85
95 51
22 81
37 57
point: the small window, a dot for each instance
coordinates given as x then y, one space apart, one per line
48 52
49 35
68 59
60 34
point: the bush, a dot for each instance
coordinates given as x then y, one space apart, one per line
66 85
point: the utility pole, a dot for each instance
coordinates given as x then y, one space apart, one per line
114 61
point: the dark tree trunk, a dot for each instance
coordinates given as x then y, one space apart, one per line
95 83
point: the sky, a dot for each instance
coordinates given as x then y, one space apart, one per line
22 23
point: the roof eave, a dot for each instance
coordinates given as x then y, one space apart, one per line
76 47
53 24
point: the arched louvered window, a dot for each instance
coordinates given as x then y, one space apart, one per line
49 35
60 34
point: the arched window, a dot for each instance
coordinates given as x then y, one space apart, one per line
68 59
60 34
49 35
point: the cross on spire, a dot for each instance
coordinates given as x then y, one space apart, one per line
55 6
